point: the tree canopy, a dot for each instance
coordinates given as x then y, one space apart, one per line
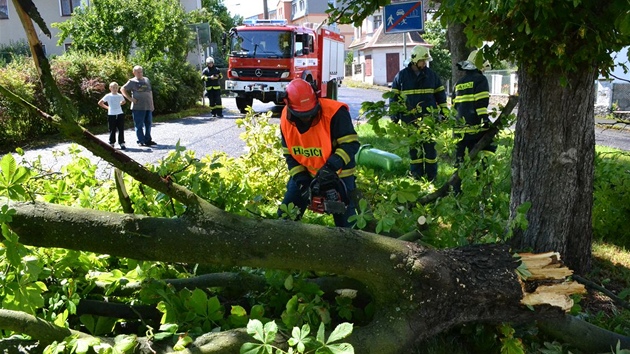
146 28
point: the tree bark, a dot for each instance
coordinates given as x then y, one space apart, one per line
457 45
552 163
417 292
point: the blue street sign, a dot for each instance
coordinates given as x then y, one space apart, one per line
404 17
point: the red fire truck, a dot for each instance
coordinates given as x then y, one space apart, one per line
265 55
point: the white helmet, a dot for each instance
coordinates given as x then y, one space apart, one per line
209 60
474 62
418 53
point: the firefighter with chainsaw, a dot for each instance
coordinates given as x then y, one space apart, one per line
319 144
470 99
421 89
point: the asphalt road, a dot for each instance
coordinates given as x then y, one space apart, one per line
205 134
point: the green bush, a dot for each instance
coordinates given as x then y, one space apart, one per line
610 198
16 123
176 86
15 49
85 79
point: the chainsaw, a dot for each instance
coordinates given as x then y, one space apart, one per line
327 200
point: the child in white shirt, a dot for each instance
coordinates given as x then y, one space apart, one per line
112 102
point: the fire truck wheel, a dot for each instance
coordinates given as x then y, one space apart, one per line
243 102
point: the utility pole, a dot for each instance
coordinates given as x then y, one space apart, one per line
265 10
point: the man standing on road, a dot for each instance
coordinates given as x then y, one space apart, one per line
421 89
211 76
319 143
138 91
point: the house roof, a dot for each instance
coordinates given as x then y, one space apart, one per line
380 39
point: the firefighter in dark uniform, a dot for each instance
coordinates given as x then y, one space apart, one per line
470 99
420 88
211 76
319 143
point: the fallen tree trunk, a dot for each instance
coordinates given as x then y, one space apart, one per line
417 292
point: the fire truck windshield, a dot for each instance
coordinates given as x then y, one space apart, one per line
258 43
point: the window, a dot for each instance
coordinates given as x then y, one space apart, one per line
301 5
67 6
378 20
4 10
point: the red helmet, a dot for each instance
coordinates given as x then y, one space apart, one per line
301 99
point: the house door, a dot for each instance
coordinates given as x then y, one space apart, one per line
392 63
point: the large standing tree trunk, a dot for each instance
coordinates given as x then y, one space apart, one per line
552 162
458 47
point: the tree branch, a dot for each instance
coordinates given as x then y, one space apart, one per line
481 144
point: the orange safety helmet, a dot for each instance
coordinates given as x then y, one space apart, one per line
301 99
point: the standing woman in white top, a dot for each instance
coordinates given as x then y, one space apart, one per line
112 102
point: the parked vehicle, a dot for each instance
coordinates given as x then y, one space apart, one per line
265 55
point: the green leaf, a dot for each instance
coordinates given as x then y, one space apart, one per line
321 334
198 302
254 348
341 331
271 329
341 348
288 282
512 346
257 312
182 343
215 310
125 343
255 329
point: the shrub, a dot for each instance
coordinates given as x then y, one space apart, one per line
15 49
85 79
16 123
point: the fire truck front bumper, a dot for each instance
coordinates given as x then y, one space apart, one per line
251 86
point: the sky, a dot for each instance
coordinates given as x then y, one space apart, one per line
248 8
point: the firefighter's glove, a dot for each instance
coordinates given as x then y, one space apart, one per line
303 181
326 176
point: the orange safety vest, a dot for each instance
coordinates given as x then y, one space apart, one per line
314 147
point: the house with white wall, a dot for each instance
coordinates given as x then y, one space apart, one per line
52 11
613 93
379 56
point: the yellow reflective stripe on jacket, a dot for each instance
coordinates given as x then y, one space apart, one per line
464 98
482 95
343 154
297 169
471 97
347 173
483 110
423 160
213 88
419 91
285 151
348 139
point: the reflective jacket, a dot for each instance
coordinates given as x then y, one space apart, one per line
421 91
211 84
471 98
332 139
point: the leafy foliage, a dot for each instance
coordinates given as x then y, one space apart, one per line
545 35
153 29
300 339
435 34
